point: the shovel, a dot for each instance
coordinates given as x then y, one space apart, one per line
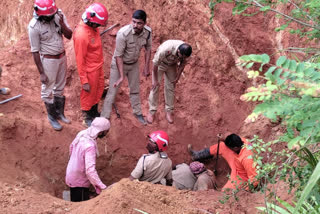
12 98
109 28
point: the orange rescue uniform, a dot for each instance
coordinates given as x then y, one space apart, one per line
89 57
241 165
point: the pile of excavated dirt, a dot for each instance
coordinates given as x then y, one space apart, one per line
33 156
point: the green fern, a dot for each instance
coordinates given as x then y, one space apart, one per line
291 93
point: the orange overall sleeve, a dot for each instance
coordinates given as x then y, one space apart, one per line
248 165
81 43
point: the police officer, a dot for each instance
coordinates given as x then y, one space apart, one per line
169 60
129 42
45 34
155 167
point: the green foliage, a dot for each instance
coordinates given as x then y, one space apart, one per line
305 13
308 207
291 94
288 93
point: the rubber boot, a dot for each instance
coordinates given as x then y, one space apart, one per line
94 111
59 103
52 116
87 118
199 155
150 117
169 117
140 118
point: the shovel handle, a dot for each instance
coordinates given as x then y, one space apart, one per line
216 165
12 98
109 28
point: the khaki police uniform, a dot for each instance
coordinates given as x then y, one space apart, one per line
46 38
167 60
152 168
128 46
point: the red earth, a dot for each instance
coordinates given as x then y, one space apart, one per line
33 156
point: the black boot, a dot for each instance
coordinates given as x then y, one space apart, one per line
199 155
59 104
52 116
94 111
140 119
87 118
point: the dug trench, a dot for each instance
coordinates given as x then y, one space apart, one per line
34 157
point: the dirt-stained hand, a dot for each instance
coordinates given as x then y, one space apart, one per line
86 87
43 78
175 82
146 73
61 22
155 84
118 82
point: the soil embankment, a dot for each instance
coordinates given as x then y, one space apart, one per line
33 157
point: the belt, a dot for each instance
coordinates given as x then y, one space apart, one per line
167 63
130 63
58 56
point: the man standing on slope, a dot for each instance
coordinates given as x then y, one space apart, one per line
81 170
89 57
46 29
169 60
239 158
129 42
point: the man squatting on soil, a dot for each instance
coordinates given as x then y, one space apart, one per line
45 34
193 177
81 169
169 61
89 57
129 42
239 158
155 167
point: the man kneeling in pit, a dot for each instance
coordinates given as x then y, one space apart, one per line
155 167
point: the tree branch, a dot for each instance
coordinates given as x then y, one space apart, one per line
300 10
257 4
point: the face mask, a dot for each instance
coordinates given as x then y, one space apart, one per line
102 134
47 18
151 147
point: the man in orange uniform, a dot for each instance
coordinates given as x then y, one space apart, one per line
238 157
89 57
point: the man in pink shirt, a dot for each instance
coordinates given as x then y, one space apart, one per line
81 170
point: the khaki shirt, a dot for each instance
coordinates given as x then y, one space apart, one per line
46 38
183 176
153 168
167 53
129 44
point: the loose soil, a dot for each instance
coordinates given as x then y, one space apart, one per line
33 156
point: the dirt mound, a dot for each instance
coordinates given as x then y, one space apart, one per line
33 157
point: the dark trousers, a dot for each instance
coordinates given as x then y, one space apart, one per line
79 194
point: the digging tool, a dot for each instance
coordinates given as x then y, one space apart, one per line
215 168
12 98
5 91
115 108
109 28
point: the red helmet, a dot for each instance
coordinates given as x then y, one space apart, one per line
45 7
96 13
161 138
